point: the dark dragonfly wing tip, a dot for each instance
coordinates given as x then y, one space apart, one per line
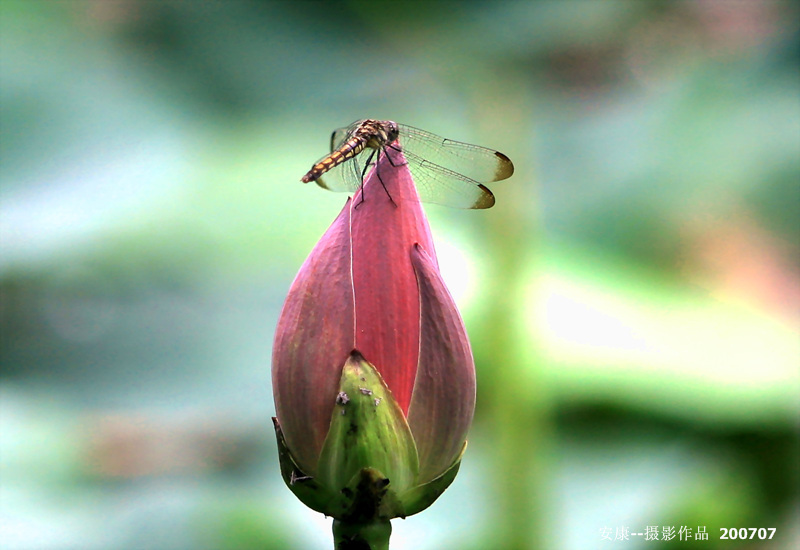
321 183
505 168
486 200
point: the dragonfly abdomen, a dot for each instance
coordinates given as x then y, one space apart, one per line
347 151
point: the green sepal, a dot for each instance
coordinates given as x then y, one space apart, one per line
422 496
305 488
369 464
369 454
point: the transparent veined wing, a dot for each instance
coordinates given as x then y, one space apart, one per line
451 172
477 163
340 135
348 175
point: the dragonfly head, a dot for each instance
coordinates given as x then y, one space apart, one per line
390 130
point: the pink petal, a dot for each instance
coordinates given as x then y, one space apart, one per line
384 231
313 339
444 394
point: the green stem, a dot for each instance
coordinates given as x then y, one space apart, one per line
361 536
516 396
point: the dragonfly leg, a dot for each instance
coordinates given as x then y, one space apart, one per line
393 148
369 163
363 173
378 173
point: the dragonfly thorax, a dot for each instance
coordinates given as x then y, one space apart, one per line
377 133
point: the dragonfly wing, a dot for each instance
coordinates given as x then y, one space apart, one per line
440 185
476 163
339 136
345 176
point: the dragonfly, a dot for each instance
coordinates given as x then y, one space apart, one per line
445 171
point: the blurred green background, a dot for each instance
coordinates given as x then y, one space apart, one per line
633 299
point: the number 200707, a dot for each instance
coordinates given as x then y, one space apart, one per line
744 533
